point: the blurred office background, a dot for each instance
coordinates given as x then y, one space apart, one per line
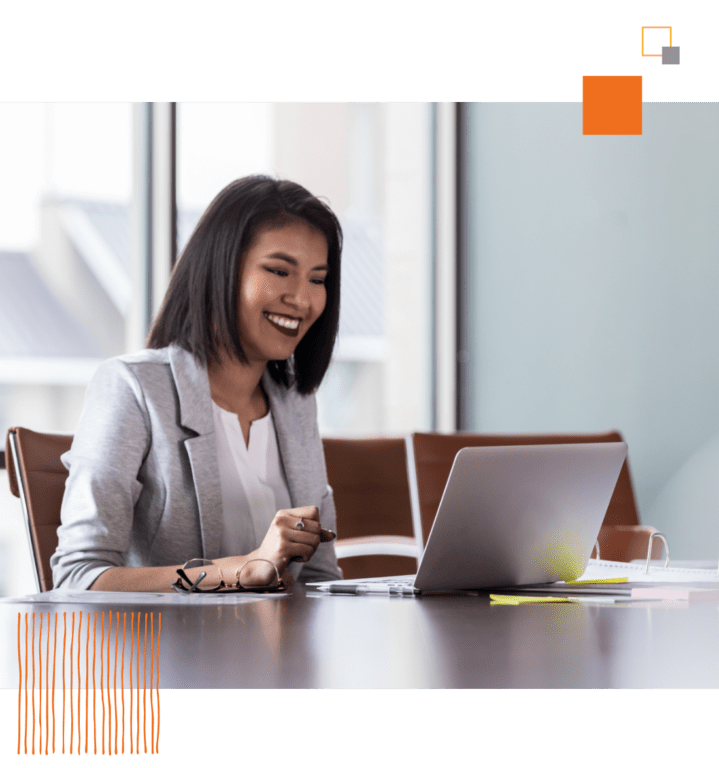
593 273
87 194
502 272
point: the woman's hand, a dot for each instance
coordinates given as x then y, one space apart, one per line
285 542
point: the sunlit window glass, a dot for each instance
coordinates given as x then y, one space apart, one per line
372 164
65 286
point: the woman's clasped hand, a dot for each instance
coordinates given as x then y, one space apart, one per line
293 536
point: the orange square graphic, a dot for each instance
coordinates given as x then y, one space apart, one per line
612 106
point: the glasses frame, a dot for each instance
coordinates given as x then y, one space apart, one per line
185 586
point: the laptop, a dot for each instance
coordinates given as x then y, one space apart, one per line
515 515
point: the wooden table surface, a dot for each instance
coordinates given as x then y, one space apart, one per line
312 640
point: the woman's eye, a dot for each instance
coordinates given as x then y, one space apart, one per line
318 281
280 272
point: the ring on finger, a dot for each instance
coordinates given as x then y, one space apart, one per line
300 524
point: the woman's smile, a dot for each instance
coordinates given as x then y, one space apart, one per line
283 323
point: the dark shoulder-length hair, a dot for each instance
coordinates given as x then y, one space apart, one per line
199 312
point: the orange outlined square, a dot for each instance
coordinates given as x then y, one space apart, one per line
612 106
660 53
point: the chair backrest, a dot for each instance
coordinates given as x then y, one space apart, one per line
37 477
371 491
434 454
625 543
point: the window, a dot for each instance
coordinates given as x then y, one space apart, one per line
372 163
73 288
65 274
593 266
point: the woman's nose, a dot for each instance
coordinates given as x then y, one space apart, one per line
299 296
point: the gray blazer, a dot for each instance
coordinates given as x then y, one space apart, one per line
144 484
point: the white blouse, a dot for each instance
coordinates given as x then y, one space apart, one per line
253 481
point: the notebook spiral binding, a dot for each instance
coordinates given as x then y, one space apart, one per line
661 536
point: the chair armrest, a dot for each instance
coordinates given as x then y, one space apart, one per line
405 546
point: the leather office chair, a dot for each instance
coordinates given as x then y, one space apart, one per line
374 514
621 537
37 477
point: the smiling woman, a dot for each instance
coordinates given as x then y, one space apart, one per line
206 444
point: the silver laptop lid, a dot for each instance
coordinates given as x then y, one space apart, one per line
519 515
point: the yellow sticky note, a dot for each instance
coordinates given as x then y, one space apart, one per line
520 599
621 580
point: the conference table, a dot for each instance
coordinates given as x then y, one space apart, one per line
311 639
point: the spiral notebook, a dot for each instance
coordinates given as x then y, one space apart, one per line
645 581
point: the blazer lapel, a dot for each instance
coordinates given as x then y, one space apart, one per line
293 453
193 390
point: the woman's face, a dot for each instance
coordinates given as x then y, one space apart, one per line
282 289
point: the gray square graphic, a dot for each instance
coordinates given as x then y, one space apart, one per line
670 54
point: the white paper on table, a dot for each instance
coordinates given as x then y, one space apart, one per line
608 569
138 598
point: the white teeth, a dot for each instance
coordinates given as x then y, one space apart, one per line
284 322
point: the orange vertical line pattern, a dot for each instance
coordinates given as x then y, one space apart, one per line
109 703
19 685
114 673
152 708
94 697
72 711
108 694
87 677
109 675
79 684
47 685
39 686
32 644
108 680
157 679
39 661
54 667
107 684
102 678
144 690
64 639
39 690
132 640
26 704
122 678
137 664
26 634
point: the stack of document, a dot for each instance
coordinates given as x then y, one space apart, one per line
607 569
631 581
